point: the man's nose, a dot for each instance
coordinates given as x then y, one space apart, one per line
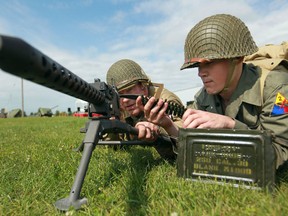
125 100
202 72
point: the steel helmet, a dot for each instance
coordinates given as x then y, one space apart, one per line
125 73
221 36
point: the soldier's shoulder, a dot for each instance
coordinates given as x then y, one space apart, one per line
169 95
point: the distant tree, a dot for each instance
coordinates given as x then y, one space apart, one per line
63 114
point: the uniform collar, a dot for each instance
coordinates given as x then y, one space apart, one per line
247 91
249 86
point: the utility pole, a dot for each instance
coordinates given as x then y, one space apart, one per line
22 96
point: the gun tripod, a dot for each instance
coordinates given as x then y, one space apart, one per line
96 128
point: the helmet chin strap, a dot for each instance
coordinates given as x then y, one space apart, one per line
232 65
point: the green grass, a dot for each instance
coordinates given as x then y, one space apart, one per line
38 167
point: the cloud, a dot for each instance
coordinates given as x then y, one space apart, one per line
93 27
118 17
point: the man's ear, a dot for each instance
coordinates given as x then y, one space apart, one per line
240 59
145 90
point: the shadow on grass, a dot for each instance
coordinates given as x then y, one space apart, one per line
142 161
282 174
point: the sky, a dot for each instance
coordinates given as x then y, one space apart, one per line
88 36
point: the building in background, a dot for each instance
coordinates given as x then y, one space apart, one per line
81 108
45 112
14 113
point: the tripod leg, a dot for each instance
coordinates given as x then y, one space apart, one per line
74 199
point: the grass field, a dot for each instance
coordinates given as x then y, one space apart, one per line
38 167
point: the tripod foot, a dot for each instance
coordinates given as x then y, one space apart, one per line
65 204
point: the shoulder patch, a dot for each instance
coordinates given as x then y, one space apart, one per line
280 106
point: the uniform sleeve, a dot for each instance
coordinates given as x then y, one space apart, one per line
197 102
240 125
274 114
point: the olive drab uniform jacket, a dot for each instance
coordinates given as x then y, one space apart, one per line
253 109
164 145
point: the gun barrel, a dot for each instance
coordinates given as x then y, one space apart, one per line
21 59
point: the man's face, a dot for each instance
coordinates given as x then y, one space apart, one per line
129 104
214 75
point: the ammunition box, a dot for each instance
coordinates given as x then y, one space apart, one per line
239 157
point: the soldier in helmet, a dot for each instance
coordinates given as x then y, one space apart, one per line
129 78
232 96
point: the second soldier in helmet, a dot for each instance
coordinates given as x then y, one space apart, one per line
129 78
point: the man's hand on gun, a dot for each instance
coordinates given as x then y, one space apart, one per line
191 119
147 131
156 116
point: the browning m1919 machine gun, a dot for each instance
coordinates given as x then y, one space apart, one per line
21 59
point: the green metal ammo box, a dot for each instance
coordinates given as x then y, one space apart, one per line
240 157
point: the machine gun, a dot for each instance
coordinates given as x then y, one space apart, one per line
21 59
